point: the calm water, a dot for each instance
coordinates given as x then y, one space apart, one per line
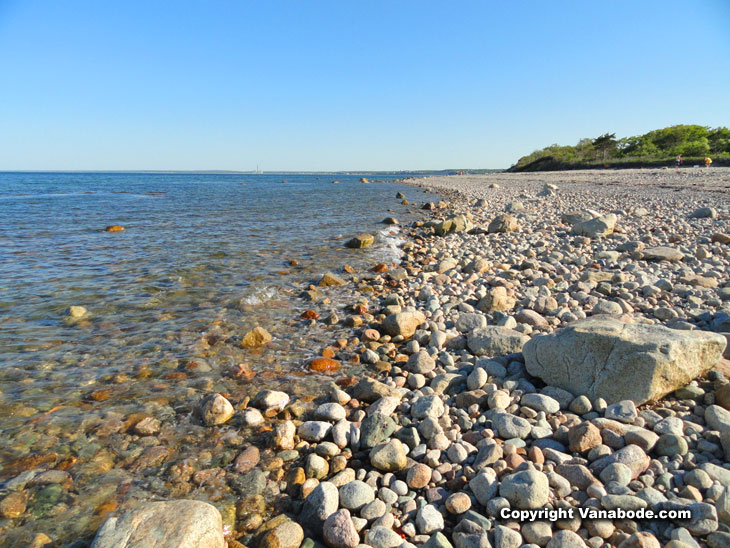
203 259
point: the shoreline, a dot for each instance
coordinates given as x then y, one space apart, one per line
454 416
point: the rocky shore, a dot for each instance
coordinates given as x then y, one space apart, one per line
548 342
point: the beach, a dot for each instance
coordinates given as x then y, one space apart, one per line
543 342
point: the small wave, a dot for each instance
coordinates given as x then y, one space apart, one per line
258 296
391 242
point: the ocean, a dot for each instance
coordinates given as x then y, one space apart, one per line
202 260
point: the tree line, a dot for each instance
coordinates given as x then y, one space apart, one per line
655 148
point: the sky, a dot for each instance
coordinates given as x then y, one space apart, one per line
344 85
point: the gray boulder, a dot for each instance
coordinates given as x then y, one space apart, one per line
496 341
606 358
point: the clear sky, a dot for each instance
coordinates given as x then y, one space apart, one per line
344 85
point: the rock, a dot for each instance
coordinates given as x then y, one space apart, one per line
622 411
356 494
565 539
320 504
429 520
458 503
509 426
540 402
170 524
403 323
419 475
324 365
503 223
496 341
497 299
251 417
314 431
631 455
583 437
662 253
339 531
390 221
375 429
388 457
427 406
717 418
526 490
704 213
361 241
459 223
247 460
609 359
330 279
76 312
283 435
114 228
382 537
271 400
438 540
216 410
287 534
468 322
13 505
258 336
369 390
484 485
598 226
421 362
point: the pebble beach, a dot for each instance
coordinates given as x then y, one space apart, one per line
544 366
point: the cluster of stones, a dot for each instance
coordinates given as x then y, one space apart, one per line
529 353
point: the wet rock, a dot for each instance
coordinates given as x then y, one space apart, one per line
13 505
288 534
216 410
609 359
76 312
331 279
271 400
171 524
114 228
361 241
258 336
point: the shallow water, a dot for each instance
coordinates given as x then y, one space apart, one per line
203 259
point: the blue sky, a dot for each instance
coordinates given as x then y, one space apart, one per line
343 85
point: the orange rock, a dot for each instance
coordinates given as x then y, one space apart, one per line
344 382
100 395
242 371
310 315
347 268
293 262
114 228
379 268
106 507
322 365
329 352
371 334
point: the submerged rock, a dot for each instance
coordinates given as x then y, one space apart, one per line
606 358
258 336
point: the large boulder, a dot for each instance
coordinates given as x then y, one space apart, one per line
503 223
171 524
610 359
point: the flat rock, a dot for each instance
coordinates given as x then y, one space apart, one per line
496 341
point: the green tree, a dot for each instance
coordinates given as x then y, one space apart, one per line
605 144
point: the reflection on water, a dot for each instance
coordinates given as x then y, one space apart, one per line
203 259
